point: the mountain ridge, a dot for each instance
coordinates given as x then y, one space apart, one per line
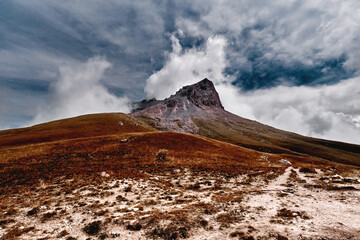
194 109
189 111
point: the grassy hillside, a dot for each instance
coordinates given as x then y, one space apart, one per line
78 127
90 144
266 139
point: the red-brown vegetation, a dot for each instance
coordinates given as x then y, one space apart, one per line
161 184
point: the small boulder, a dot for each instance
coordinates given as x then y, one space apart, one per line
161 156
284 161
93 228
33 211
104 174
135 226
306 170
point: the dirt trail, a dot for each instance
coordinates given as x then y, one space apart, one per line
300 212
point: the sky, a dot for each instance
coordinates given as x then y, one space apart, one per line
291 64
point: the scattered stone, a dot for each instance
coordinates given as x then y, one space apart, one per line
93 228
285 161
344 188
204 223
128 188
241 235
103 236
136 226
306 170
281 237
286 213
114 235
121 198
70 238
289 190
47 216
63 233
336 176
237 234
350 180
104 174
6 221
161 156
33 211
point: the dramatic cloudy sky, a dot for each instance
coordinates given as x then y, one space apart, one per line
291 64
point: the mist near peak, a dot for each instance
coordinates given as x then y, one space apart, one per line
78 90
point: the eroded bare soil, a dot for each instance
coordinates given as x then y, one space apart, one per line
295 203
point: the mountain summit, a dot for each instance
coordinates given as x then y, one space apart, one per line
177 112
201 94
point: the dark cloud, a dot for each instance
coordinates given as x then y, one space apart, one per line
275 41
265 74
18 84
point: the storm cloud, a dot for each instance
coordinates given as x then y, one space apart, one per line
273 61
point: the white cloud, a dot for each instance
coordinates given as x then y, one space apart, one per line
229 96
330 112
184 67
78 91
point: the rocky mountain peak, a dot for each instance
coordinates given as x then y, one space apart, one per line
201 94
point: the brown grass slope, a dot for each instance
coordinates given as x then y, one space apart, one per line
88 145
254 135
78 127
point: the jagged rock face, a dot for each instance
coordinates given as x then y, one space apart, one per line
201 94
177 112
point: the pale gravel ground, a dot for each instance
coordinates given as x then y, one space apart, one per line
329 216
332 214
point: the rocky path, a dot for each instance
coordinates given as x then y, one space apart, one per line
291 206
